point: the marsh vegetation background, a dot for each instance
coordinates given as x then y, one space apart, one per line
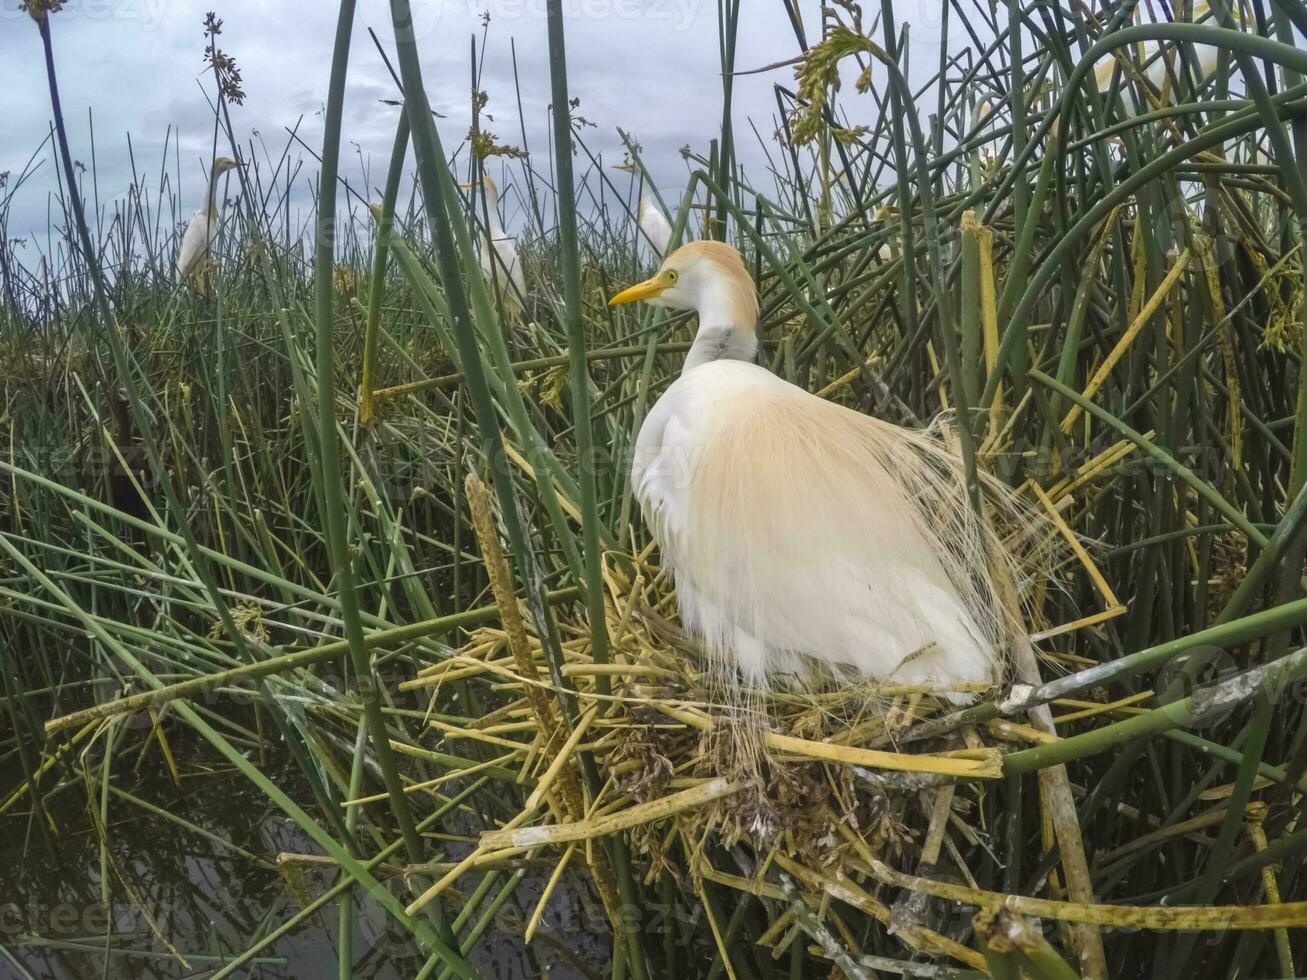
332 640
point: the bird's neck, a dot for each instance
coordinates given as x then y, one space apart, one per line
493 227
728 314
211 205
721 343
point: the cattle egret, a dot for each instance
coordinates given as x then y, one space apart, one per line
1154 65
499 259
798 530
203 228
884 215
984 119
651 219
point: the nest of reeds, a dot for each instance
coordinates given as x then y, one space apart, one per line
809 784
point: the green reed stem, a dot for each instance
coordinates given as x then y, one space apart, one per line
333 502
381 250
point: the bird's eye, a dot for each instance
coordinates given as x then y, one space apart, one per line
671 275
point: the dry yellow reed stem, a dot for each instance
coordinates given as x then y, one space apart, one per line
505 727
479 857
978 764
534 922
989 766
453 731
940 808
437 781
848 376
157 733
568 507
1095 575
1081 623
1224 792
455 668
780 925
1110 456
634 816
519 645
473 650
1272 887
616 670
1182 828
1127 338
1234 401
1211 918
722 951
1091 709
561 759
1003 437
751 886
934 367
846 891
1057 805
1015 731
49 762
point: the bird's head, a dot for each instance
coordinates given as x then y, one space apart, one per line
490 190
708 277
222 164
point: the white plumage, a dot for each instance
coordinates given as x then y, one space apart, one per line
203 227
499 259
655 225
893 243
196 243
1155 66
650 217
796 528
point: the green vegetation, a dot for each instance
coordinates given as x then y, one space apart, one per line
425 600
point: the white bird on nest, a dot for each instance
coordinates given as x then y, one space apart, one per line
798 530
649 216
203 228
499 259
1154 59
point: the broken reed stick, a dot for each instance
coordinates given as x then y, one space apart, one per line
634 816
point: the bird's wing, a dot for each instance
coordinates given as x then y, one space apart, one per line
654 224
195 243
1204 63
505 260
507 249
815 530
659 472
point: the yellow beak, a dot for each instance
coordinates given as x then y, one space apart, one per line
465 187
641 290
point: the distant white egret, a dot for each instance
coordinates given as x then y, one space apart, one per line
881 218
203 228
1153 64
650 217
799 530
884 215
499 260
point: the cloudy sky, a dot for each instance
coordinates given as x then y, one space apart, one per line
648 66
